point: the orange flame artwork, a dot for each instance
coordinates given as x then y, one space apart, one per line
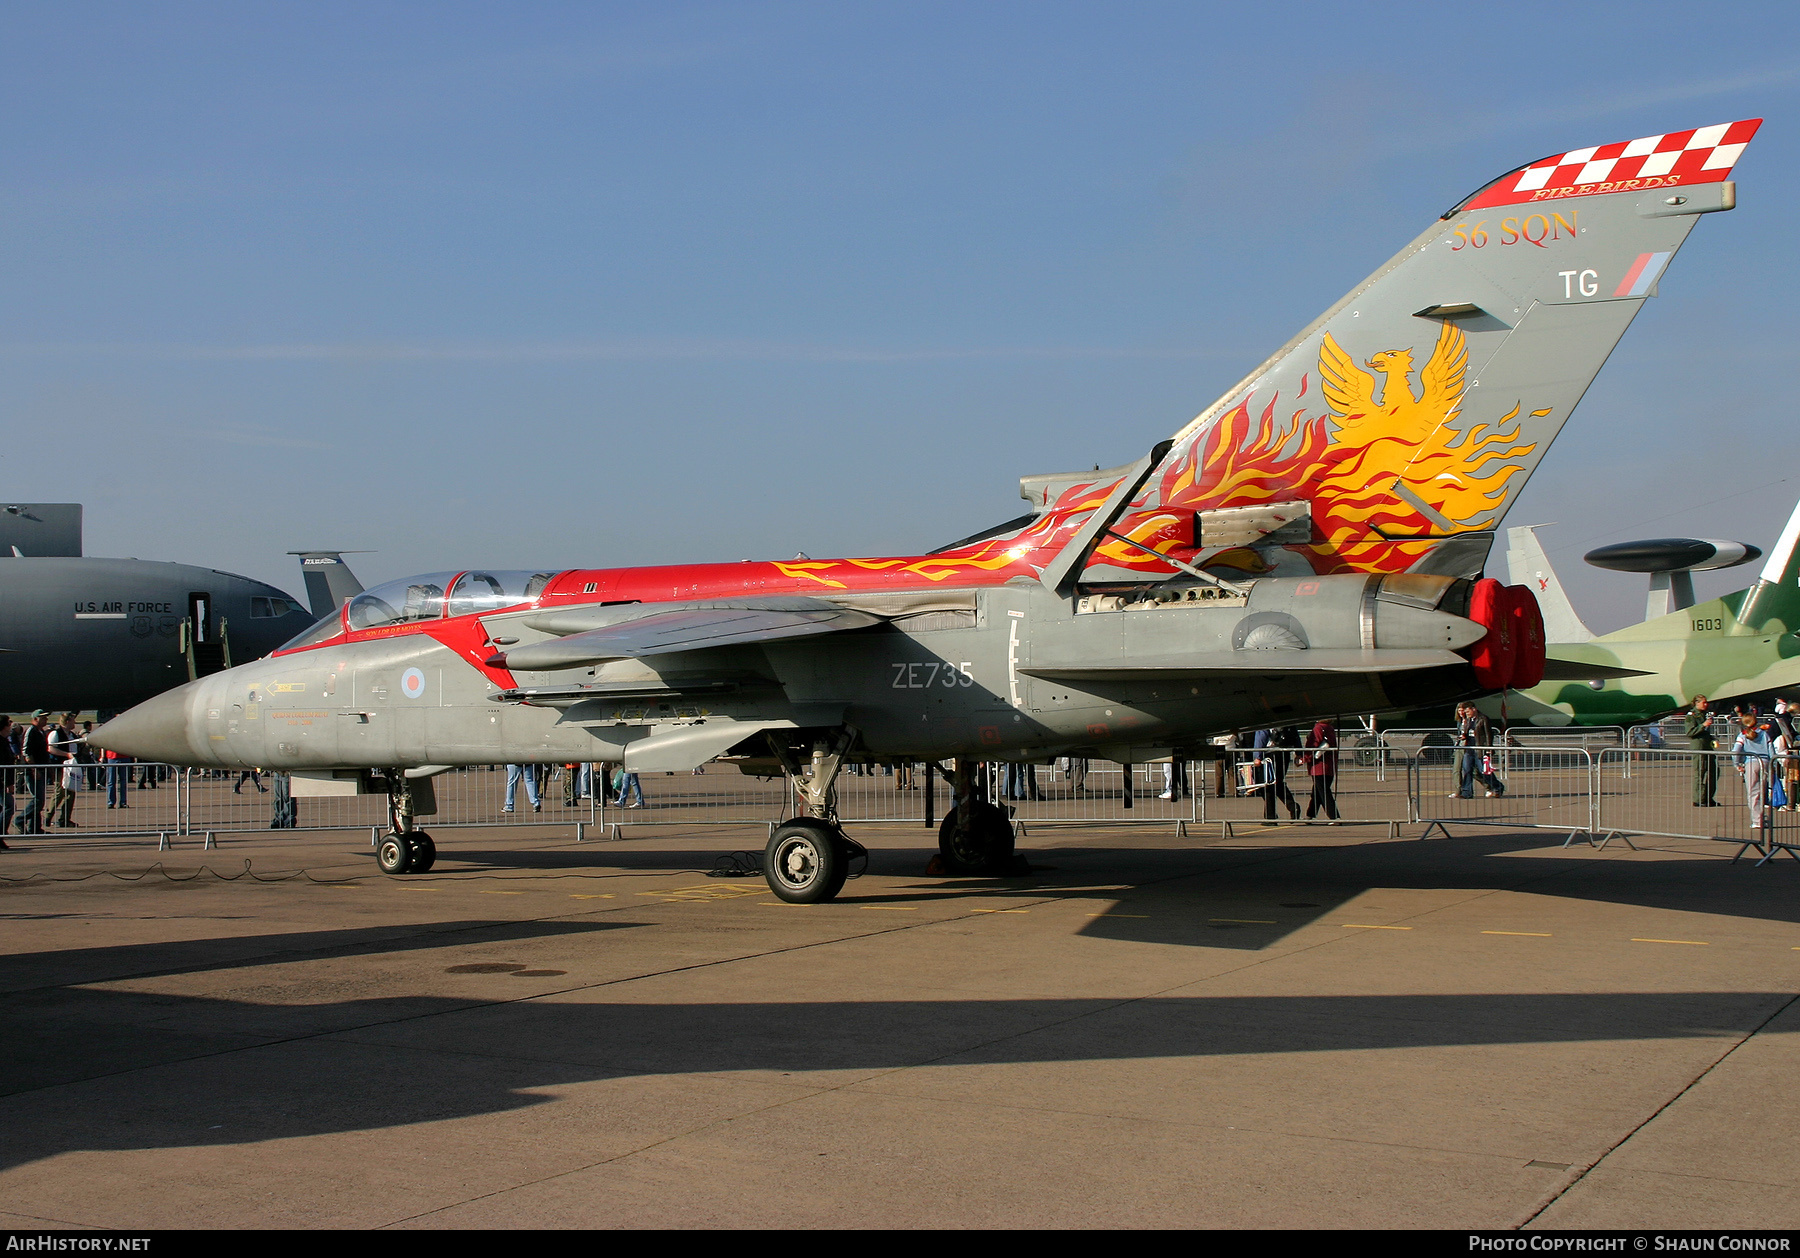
1382 459
1385 466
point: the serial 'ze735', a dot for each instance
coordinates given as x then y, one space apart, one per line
1310 545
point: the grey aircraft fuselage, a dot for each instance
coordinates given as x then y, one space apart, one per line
1011 671
1302 548
83 633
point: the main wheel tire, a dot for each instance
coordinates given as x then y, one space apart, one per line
394 854
985 848
843 849
424 853
804 862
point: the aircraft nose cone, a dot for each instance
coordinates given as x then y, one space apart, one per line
156 729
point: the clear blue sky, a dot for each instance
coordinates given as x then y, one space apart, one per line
610 284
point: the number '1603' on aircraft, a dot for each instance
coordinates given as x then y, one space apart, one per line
1309 546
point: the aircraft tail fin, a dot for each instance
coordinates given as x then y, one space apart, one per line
1527 565
1776 597
329 581
1393 432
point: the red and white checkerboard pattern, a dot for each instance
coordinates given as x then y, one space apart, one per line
1704 155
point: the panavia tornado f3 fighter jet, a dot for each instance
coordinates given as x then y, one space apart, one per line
1309 546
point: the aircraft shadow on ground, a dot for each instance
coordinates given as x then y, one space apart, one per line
1252 898
28 971
160 1071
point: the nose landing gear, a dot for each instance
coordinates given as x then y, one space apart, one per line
404 850
808 858
410 853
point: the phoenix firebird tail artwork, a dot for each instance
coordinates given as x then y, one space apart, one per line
1404 421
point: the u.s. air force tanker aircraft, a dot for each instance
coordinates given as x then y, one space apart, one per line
1306 547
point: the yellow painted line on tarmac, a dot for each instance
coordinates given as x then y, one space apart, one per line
999 910
890 908
1529 934
1698 943
591 897
502 893
1365 926
702 892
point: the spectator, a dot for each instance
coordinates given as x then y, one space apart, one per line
627 785
1272 751
34 753
1021 781
1175 783
90 762
527 772
1475 736
7 757
1785 731
118 779
1751 754
287 808
1698 728
63 741
1321 763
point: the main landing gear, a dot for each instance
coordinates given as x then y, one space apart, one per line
975 837
808 858
404 850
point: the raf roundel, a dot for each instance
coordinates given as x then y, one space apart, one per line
412 683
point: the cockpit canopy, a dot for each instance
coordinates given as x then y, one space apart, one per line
430 597
397 602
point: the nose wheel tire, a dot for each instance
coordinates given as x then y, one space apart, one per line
413 853
986 847
806 861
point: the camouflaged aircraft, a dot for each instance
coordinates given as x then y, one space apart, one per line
1308 546
1741 643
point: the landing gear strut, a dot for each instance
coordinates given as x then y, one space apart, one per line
808 858
404 850
976 837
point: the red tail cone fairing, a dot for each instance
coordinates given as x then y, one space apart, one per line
1512 655
1493 657
1528 637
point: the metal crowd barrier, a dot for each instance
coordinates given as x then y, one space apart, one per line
172 800
1364 790
1595 795
1654 792
1515 787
